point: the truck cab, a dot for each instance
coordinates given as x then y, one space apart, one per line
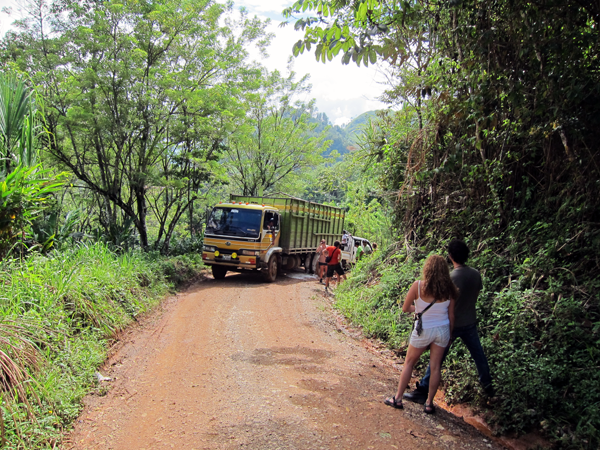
239 236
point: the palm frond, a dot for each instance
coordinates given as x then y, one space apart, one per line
17 122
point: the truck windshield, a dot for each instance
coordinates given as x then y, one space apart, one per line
234 222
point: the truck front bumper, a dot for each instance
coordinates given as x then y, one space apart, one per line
246 262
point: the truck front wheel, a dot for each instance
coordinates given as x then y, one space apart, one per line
270 273
219 272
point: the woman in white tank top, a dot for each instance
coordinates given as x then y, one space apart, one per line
433 297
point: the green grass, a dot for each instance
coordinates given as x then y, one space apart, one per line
371 295
58 314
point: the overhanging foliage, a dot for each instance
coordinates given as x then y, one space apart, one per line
496 143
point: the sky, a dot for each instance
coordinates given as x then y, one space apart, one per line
341 92
5 20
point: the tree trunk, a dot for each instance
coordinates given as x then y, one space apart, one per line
140 222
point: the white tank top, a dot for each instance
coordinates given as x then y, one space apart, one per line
436 316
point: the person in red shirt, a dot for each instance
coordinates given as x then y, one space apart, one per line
335 264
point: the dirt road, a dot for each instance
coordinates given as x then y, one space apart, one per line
239 363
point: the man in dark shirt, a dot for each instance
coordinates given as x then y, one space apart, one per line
468 282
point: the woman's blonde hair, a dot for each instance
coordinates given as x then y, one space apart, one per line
436 279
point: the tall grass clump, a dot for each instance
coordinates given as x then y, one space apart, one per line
541 339
58 313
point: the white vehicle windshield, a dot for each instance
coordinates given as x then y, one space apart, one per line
234 222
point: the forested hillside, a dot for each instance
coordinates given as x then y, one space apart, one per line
344 138
496 143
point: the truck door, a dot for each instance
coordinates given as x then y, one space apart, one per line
351 250
271 225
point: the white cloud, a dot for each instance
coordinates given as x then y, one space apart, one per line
341 91
341 121
7 19
265 7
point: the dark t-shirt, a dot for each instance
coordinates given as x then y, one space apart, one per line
334 253
468 282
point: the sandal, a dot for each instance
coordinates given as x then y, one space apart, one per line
429 409
394 403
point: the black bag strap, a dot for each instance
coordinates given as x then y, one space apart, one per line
418 321
428 306
418 315
334 254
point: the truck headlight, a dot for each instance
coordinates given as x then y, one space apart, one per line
250 252
209 248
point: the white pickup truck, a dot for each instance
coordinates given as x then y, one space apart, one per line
350 247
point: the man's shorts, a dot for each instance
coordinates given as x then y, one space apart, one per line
437 335
334 268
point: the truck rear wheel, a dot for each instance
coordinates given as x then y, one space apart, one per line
308 262
291 263
270 273
315 264
219 272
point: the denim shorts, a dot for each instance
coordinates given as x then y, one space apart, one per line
438 335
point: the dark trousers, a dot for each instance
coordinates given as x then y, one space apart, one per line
470 338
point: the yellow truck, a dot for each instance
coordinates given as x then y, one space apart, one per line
268 234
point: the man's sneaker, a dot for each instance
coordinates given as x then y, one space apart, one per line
326 289
321 280
415 396
422 389
489 390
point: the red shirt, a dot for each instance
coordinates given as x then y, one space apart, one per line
335 254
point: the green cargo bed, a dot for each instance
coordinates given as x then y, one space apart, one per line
303 223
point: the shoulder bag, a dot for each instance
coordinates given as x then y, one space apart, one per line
418 321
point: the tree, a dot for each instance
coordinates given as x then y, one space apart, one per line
362 30
140 96
274 143
508 94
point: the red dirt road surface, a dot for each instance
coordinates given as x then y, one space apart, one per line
240 363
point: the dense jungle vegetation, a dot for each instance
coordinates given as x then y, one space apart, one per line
121 122
495 142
